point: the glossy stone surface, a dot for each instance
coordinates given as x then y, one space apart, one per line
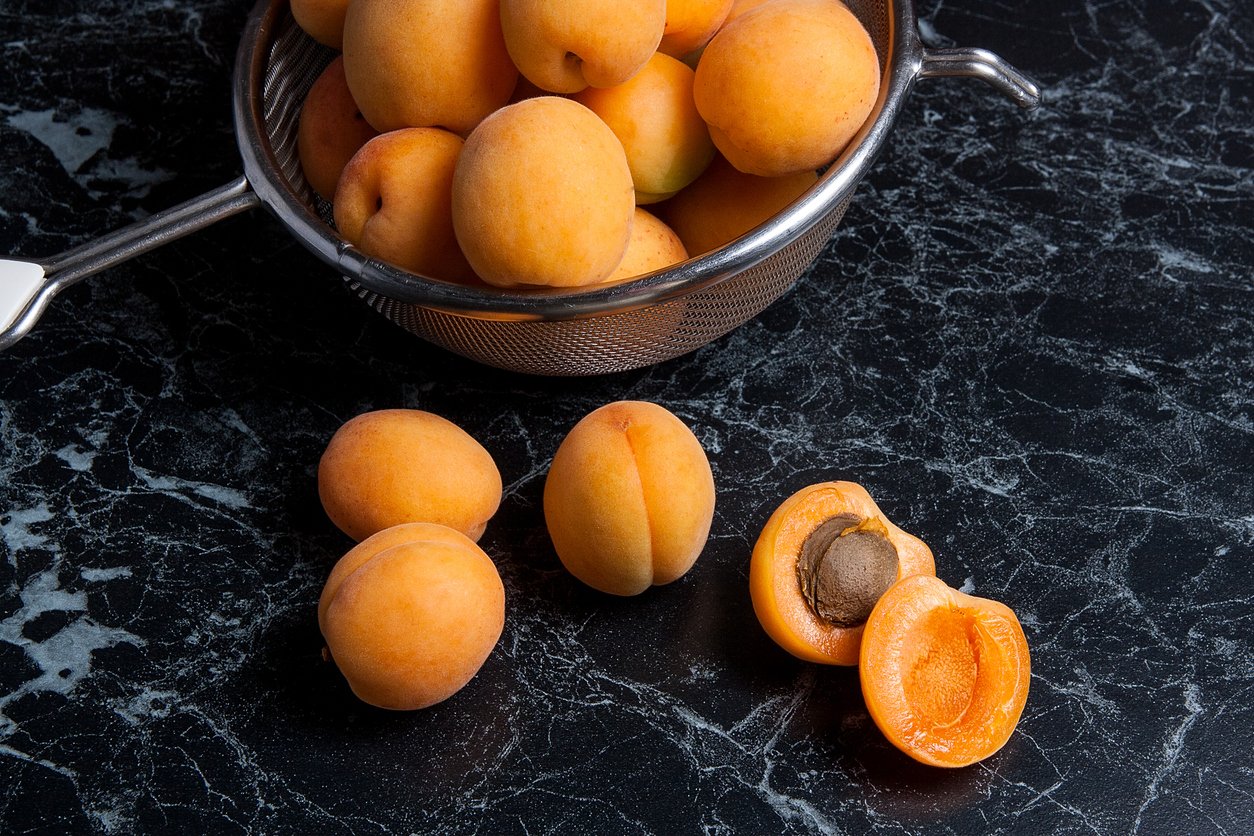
1031 339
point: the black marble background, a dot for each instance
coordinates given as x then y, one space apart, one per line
1031 339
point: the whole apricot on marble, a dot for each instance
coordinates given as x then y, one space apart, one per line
690 24
426 63
655 118
410 622
395 202
653 246
629 498
542 195
395 466
330 131
723 204
566 46
322 20
786 85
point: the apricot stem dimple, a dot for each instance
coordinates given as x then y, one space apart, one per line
845 565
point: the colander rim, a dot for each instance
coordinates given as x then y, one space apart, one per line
835 185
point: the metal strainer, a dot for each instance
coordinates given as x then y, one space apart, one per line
553 332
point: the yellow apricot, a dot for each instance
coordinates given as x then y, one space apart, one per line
396 466
723 204
629 498
410 625
786 85
427 63
542 195
653 246
654 117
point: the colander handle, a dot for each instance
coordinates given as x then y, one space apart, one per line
972 62
26 287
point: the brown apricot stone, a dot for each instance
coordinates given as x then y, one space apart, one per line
846 564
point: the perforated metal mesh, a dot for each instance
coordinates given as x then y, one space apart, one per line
614 340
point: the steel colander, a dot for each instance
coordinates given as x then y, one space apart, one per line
550 332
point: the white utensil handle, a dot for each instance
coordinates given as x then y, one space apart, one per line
20 282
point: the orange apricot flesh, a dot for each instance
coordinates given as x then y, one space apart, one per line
944 674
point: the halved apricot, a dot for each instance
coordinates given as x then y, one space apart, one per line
822 561
944 674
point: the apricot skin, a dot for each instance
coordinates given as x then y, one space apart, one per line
690 24
331 130
666 142
629 498
786 85
322 20
395 202
723 204
653 246
542 195
426 63
410 625
396 466
566 46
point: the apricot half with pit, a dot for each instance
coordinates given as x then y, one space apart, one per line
822 562
629 498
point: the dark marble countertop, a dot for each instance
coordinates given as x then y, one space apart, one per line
1031 339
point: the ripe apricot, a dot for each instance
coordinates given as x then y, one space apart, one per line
723 204
786 85
566 46
945 675
542 195
330 131
396 466
629 498
322 20
653 115
653 246
395 202
410 616
427 63
690 24
823 559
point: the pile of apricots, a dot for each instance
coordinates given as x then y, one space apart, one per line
514 143
412 612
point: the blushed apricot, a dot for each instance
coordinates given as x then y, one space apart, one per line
542 195
723 204
786 85
396 466
410 625
629 498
